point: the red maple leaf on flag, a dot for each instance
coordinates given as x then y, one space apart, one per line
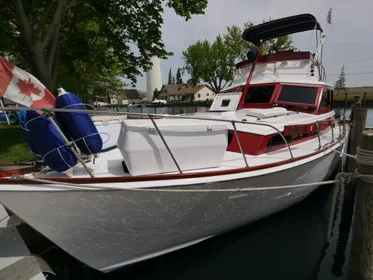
27 87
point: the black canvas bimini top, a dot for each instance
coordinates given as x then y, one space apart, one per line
280 27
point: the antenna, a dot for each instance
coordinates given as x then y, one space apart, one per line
323 36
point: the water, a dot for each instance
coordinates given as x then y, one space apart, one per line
289 245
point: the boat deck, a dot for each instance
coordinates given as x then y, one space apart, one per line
109 164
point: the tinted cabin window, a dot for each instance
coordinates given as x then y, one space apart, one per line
261 94
325 98
296 94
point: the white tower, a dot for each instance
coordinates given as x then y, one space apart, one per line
153 78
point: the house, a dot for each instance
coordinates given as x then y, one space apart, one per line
129 96
168 90
113 100
196 93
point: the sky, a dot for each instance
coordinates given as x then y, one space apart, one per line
349 40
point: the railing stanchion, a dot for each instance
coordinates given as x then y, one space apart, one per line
239 143
165 143
332 121
318 134
285 141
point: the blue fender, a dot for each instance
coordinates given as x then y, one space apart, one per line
78 126
44 140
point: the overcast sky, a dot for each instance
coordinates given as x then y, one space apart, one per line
349 40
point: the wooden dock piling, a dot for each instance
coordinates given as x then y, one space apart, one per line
359 117
361 258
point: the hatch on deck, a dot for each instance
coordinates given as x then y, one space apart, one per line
226 101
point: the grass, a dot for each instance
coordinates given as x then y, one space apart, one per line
13 145
350 98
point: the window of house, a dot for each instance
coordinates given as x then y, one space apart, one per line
297 94
207 94
325 98
199 95
260 94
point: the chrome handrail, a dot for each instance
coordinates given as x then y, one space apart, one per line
318 134
165 143
239 143
152 116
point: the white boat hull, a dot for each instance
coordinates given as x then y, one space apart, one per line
110 229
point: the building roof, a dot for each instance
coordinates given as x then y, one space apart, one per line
189 90
171 89
130 94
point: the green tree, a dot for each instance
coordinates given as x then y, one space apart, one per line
38 33
170 77
173 80
179 79
95 71
211 63
215 63
156 94
340 84
233 39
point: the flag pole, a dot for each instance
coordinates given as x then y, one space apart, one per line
323 36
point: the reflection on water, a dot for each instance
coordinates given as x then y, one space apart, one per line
288 245
369 116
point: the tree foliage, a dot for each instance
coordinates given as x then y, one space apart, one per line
215 63
46 36
340 84
170 77
179 79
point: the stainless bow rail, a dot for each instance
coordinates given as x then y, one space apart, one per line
152 119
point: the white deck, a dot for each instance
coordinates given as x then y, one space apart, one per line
12 247
109 164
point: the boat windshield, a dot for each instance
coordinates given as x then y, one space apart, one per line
259 94
297 94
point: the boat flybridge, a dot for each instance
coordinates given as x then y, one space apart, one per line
171 181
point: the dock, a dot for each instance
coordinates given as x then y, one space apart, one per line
16 261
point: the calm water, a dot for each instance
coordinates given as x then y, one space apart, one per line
288 245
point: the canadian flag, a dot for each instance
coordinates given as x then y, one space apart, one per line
21 87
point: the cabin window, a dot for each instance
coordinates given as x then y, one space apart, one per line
296 94
230 137
277 140
260 94
225 102
325 98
